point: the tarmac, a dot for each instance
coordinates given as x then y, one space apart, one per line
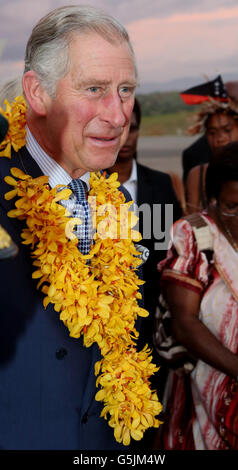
163 153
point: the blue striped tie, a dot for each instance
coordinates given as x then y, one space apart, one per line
81 209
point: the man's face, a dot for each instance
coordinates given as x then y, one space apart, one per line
89 120
127 152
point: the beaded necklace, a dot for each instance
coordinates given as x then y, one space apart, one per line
233 242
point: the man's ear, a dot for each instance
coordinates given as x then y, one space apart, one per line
35 94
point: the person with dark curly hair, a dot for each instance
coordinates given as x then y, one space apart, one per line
219 122
199 280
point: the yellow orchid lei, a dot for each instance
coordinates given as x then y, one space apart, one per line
96 294
15 114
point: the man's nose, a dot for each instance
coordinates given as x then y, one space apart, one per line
113 111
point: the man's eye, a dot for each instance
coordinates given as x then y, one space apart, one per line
126 91
93 89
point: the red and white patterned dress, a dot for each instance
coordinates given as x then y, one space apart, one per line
203 406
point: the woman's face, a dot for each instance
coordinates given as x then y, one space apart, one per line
221 130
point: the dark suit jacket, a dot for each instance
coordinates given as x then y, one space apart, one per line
47 381
154 187
198 152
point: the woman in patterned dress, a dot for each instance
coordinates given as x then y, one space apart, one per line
202 295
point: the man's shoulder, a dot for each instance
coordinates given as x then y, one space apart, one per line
22 160
15 160
5 168
151 174
155 186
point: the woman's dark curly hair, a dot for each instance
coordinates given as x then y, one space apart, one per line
222 168
208 109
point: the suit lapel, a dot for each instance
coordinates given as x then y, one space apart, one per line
28 164
144 188
144 193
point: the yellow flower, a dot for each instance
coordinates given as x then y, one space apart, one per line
15 114
125 391
95 295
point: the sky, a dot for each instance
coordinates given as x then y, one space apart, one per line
172 39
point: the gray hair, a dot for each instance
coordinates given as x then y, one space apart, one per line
10 89
47 47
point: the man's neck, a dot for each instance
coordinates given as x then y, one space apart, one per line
123 168
49 167
39 138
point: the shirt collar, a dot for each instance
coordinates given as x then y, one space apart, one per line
48 166
133 175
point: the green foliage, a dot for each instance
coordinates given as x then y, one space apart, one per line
162 103
166 124
164 113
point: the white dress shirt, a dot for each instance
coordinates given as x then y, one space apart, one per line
131 183
48 166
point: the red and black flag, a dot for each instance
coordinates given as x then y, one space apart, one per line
214 89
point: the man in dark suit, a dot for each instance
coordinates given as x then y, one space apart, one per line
79 85
152 191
